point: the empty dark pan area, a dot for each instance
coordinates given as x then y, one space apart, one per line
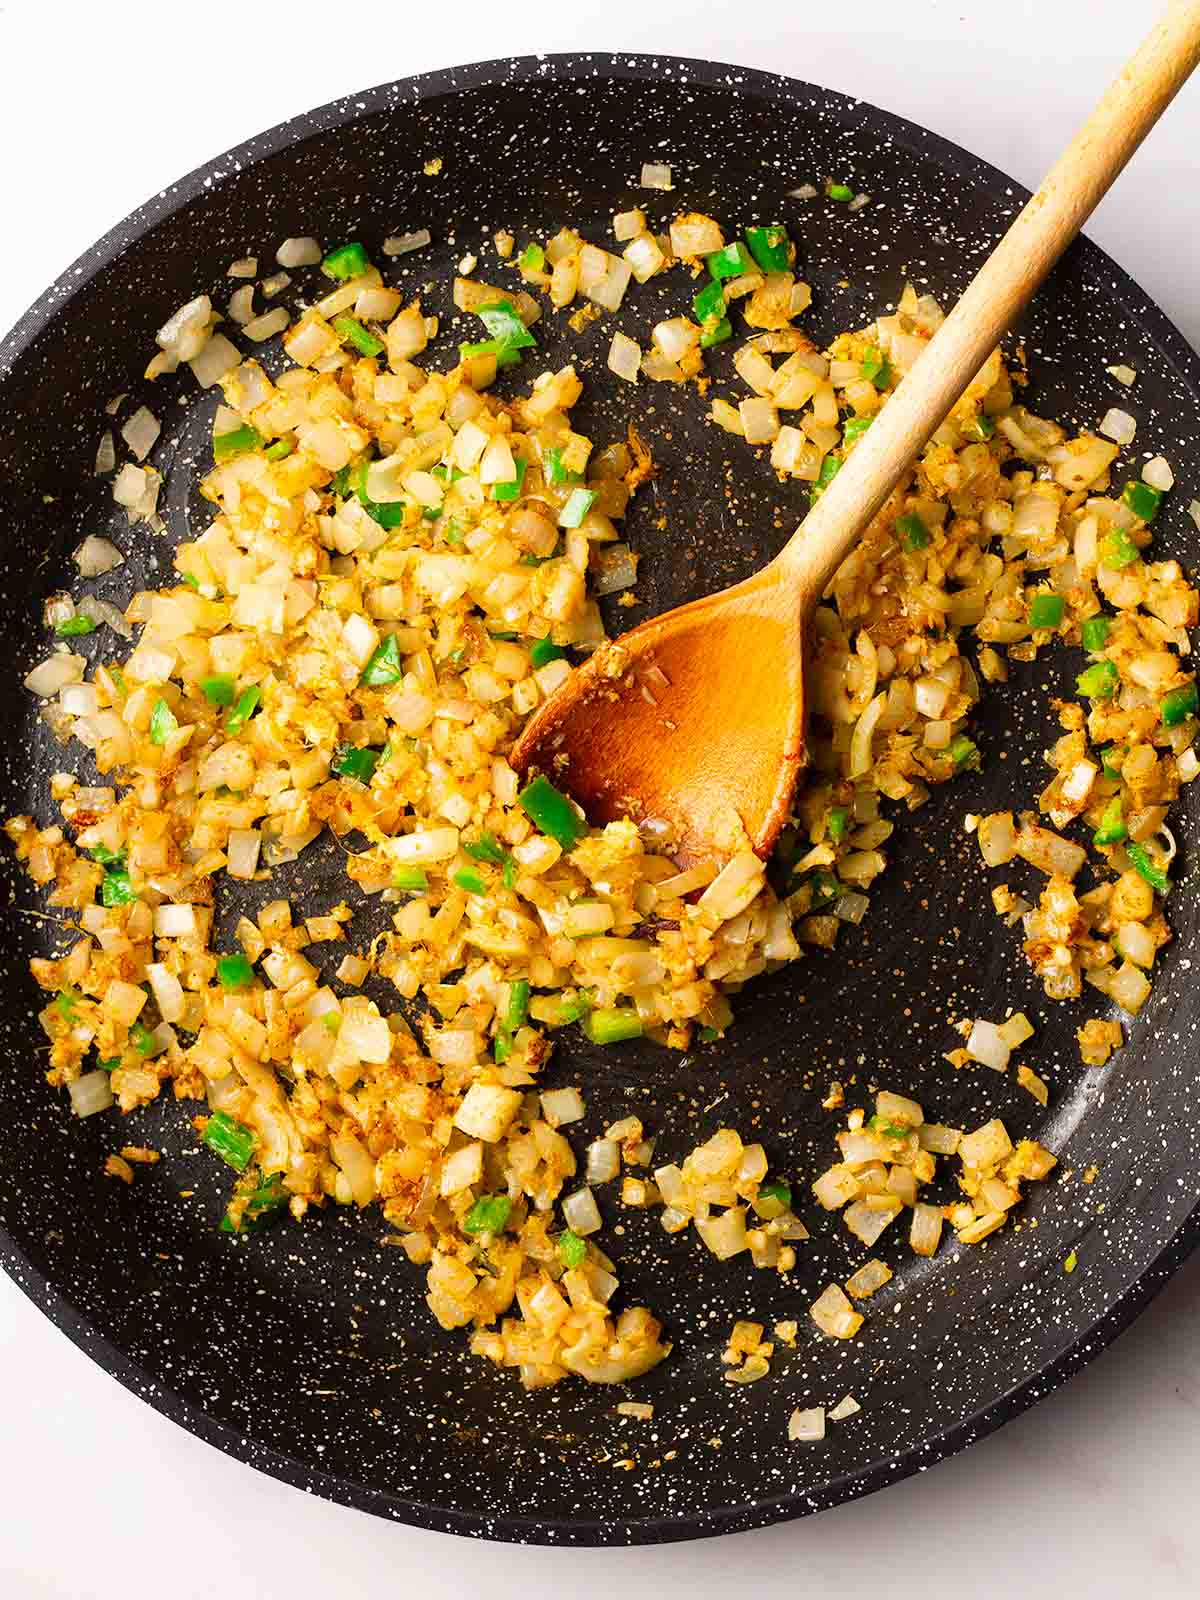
308 1351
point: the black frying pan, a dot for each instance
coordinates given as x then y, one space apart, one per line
242 1342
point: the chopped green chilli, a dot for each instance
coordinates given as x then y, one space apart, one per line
1142 500
980 428
839 817
220 689
876 368
107 857
347 261
412 878
550 810
716 334
233 1141
505 354
488 1214
116 889
709 304
914 535
257 1200
612 1024
237 442
830 468
243 709
854 428
356 761
142 1039
543 651
734 261
532 258
1099 681
556 472
234 972
385 665
839 191
486 848
1094 633
1112 827
468 880
769 247
163 722
1046 610
579 502
964 752
572 1250
504 325
74 627
280 450
1180 704
1118 550
512 489
1146 868
351 331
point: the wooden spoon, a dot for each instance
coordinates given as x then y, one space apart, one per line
697 716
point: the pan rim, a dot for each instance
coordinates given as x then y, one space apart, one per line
593 1530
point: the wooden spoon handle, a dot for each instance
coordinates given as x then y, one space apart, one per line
1002 288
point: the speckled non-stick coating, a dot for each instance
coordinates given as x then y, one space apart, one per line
308 1351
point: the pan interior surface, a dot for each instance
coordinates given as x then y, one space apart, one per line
309 1350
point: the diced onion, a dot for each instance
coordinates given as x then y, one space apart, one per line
581 1213
603 1161
807 1427
91 1093
624 357
298 253
1157 473
96 556
560 1106
1118 426
656 176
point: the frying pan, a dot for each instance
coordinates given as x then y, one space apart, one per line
308 1351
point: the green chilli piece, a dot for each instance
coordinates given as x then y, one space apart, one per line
280 450
469 881
233 1141
486 848
877 368
709 304
358 762
769 247
243 709
838 191
1111 760
1046 610
708 1035
504 324
1145 868
1118 550
830 468
532 258
234 972
389 514
1143 500
142 1039
110 1064
220 689
505 355
825 890
265 1200
351 331
776 1189
74 627
612 1024
347 261
65 1002
572 1250
518 1004
731 262
1099 681
914 535
413 879
107 857
237 442
512 489
543 651
964 753
839 817
192 581
1180 704
116 889
1112 827
1094 633
980 428
854 427
163 722
552 460
385 665
550 810
488 1214
579 503
717 334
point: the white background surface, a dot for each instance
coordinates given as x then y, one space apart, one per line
1090 1494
